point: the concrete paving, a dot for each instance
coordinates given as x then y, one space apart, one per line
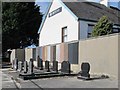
73 82
57 82
7 82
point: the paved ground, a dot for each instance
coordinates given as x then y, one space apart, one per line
58 82
7 81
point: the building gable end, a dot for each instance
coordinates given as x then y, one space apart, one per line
44 18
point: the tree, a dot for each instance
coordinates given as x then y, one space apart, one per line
103 27
20 23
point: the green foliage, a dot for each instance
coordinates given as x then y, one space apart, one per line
20 23
103 27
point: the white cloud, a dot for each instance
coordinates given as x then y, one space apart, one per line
114 0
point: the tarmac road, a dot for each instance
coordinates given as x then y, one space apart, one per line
56 82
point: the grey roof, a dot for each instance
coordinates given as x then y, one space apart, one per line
89 11
93 11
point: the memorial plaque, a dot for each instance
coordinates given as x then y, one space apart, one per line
15 64
25 67
20 66
65 67
55 66
47 66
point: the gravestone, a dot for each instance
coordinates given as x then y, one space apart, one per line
39 63
47 66
20 66
15 64
25 67
65 67
12 64
84 73
30 68
55 66
85 68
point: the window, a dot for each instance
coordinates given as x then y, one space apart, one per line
64 34
116 30
90 28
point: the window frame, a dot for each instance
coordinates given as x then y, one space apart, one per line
88 33
63 34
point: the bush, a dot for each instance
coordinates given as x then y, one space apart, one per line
103 27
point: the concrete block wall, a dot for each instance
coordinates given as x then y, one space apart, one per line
101 53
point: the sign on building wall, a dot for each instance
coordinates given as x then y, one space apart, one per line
55 12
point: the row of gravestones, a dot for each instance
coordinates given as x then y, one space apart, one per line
65 66
18 66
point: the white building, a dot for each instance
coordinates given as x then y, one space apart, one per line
69 21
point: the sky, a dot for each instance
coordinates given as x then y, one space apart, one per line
44 4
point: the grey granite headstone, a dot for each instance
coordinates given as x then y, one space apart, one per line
55 66
25 67
47 66
20 66
39 63
30 68
12 64
65 67
15 64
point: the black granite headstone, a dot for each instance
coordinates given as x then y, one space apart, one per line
20 66
55 66
25 67
85 68
47 66
65 67
30 68
15 64
39 63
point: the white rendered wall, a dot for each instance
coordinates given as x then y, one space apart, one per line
104 2
51 32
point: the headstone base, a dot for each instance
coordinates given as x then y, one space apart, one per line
84 78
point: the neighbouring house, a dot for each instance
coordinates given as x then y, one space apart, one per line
70 21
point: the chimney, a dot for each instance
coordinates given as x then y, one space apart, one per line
104 2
